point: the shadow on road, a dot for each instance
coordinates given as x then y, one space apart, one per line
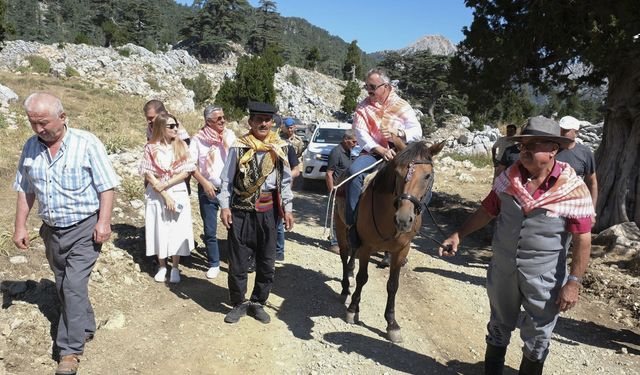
305 294
397 357
42 294
593 334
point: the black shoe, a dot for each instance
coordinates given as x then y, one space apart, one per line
256 310
237 312
529 367
252 264
494 359
280 257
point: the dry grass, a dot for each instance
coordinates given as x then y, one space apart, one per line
115 118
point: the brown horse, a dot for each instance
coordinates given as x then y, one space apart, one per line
388 219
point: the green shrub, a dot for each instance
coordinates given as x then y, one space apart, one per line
125 52
428 126
153 84
200 86
81 38
3 122
131 189
294 78
61 45
70 72
39 64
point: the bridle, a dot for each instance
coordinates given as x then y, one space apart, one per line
418 205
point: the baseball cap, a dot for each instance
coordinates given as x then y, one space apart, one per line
569 123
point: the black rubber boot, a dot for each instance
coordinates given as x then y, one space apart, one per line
529 367
494 359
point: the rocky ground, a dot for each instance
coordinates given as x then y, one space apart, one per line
150 328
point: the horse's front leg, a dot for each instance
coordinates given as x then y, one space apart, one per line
393 328
347 267
361 278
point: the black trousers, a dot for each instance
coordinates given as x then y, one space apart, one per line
252 233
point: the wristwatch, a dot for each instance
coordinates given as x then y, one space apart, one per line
575 278
401 133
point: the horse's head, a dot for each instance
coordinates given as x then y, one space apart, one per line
413 168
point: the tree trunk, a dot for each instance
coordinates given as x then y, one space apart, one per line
618 157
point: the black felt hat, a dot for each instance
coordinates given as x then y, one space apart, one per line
258 108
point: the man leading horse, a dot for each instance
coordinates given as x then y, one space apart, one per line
381 116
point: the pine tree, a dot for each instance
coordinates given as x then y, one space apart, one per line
265 30
3 29
215 24
311 58
352 68
351 92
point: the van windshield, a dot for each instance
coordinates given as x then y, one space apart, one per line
328 136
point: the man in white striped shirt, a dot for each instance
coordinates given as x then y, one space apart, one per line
67 170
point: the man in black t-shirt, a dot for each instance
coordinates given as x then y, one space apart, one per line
339 161
578 156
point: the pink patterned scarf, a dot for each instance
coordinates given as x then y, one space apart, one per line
149 163
212 139
568 197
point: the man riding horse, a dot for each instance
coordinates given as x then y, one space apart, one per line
379 117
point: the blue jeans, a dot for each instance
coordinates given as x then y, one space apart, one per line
209 213
280 237
333 241
354 186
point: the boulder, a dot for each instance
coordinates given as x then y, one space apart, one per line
7 96
623 239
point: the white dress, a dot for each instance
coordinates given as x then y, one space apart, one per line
168 233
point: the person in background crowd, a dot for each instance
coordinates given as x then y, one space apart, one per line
294 164
536 202
168 225
151 109
69 173
256 189
381 116
339 161
579 156
288 133
510 155
501 145
209 148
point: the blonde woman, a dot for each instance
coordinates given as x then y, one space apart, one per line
165 166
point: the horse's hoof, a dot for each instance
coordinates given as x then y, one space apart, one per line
343 297
352 318
394 335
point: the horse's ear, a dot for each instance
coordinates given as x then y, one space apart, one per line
435 149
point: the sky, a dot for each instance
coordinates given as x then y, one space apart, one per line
380 25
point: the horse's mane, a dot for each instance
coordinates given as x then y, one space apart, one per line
385 180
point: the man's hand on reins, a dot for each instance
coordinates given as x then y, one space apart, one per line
450 246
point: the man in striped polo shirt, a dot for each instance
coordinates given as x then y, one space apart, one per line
67 170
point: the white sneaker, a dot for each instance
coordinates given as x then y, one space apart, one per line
161 274
174 278
213 272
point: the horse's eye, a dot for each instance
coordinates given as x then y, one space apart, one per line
428 176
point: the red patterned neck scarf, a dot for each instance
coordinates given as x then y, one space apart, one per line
213 139
568 197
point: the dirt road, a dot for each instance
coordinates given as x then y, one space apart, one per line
152 328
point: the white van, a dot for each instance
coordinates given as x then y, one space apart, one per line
325 137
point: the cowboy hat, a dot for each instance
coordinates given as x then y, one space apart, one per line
543 128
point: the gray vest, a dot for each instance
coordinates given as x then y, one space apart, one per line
533 244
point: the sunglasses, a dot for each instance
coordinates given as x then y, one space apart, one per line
217 119
173 126
533 145
371 88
